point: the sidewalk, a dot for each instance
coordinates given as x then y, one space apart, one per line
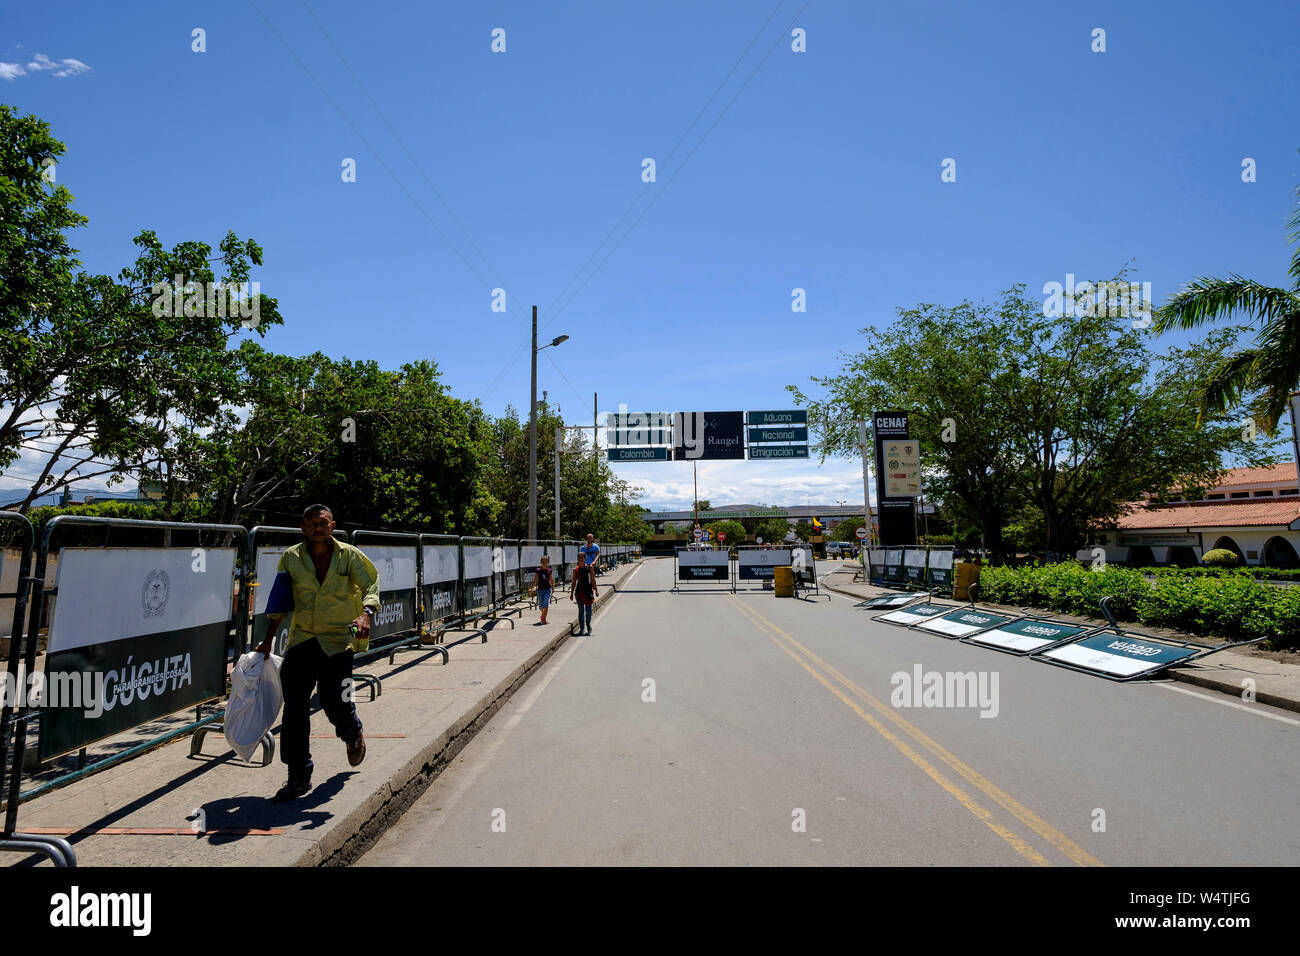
1277 683
144 812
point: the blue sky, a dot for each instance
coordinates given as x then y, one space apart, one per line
820 170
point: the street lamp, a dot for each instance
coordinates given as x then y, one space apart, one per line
532 432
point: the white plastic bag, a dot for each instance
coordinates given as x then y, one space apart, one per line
255 701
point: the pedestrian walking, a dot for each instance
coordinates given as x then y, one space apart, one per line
582 591
335 592
542 584
591 549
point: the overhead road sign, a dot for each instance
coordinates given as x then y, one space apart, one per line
767 452
637 420
708 436
635 453
1026 635
638 436
795 434
795 416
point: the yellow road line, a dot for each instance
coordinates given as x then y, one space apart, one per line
1053 836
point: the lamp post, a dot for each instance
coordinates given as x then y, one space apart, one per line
532 432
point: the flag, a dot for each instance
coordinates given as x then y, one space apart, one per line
817 526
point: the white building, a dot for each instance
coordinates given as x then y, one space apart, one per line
1252 511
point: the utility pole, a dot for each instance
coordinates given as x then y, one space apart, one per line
866 481
532 441
559 435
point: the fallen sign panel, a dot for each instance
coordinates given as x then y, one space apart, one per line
1028 634
889 600
1117 655
915 613
964 621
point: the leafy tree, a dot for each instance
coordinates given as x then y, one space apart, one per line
1073 416
1270 370
95 374
733 529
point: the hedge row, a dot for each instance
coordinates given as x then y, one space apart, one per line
1233 606
1275 574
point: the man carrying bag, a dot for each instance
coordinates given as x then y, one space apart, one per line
335 590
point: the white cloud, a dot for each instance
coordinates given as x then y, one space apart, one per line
668 486
42 64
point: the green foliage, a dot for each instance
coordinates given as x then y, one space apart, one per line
1236 607
1042 426
1270 370
734 530
1220 558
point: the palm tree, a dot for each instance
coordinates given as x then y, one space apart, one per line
1272 367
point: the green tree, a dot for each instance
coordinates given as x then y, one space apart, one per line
1270 370
1074 416
734 530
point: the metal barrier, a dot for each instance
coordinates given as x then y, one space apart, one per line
87 646
479 558
396 556
914 567
759 563
15 715
703 565
939 570
804 564
442 595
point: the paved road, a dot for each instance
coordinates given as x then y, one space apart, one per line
768 714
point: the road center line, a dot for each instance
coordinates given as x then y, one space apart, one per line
1040 826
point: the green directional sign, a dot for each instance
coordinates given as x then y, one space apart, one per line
757 452
637 420
796 416
635 453
797 433
639 436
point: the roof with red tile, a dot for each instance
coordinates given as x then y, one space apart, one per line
1267 474
1242 512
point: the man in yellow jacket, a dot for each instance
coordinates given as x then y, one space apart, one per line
335 587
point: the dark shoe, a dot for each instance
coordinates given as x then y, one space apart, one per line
357 750
292 790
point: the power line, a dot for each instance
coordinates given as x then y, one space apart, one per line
380 113
667 159
374 152
671 179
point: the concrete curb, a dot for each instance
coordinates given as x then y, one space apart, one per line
351 837
1198 677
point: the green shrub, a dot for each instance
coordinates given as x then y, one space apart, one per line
1220 558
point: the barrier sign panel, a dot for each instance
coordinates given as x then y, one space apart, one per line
765 452
889 601
478 575
1115 654
396 566
266 562
914 566
797 433
961 623
1028 635
136 633
441 574
795 416
703 566
915 613
757 564
708 436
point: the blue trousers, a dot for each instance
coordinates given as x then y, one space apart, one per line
584 617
